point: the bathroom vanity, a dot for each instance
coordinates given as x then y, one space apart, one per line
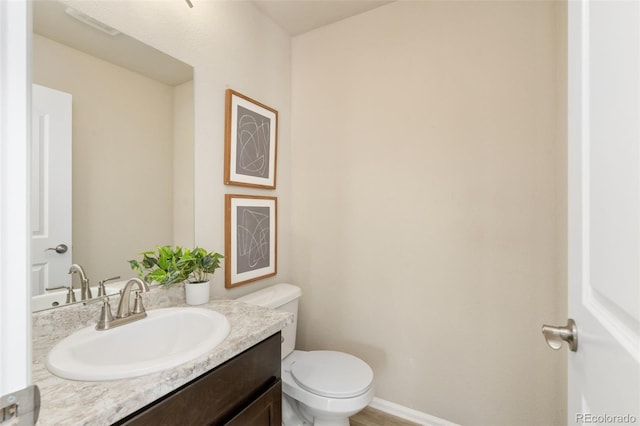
245 390
237 383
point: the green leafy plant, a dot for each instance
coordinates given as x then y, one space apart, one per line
168 265
203 264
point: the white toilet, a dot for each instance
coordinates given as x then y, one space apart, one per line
320 388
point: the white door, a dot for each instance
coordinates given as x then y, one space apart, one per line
50 189
604 211
15 316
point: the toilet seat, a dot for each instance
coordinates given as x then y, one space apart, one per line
332 374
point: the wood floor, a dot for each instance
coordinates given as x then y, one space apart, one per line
372 417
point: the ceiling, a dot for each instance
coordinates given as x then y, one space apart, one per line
51 21
294 16
300 16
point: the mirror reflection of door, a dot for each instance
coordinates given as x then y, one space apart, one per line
50 188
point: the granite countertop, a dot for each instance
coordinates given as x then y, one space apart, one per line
72 402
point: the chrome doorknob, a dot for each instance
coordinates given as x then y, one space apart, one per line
555 335
60 248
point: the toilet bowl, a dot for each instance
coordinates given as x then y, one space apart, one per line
320 388
326 385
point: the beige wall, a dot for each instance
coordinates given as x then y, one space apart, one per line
183 170
122 157
428 190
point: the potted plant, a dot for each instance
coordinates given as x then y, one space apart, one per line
200 264
168 266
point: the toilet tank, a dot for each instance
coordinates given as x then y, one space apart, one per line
281 297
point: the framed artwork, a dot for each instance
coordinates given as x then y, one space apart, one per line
251 131
250 238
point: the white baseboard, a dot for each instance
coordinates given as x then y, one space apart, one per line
408 413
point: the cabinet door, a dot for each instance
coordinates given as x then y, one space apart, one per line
264 411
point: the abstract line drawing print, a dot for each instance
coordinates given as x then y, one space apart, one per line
253 143
253 236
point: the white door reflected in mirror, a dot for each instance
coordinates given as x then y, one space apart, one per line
51 125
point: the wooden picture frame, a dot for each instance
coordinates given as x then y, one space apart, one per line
251 139
251 241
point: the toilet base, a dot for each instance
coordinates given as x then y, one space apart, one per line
291 416
325 419
295 413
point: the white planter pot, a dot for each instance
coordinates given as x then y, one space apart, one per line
197 293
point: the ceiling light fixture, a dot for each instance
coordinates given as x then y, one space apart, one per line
88 20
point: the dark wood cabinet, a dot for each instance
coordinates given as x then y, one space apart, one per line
266 410
244 391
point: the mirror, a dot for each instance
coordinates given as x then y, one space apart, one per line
132 147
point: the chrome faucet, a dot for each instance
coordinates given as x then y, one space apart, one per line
124 308
124 314
85 291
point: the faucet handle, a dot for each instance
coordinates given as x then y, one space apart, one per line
56 288
138 307
108 279
101 283
106 317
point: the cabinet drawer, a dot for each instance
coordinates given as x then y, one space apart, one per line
219 395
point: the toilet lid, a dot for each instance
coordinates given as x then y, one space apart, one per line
332 374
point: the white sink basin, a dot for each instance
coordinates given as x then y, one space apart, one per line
164 339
